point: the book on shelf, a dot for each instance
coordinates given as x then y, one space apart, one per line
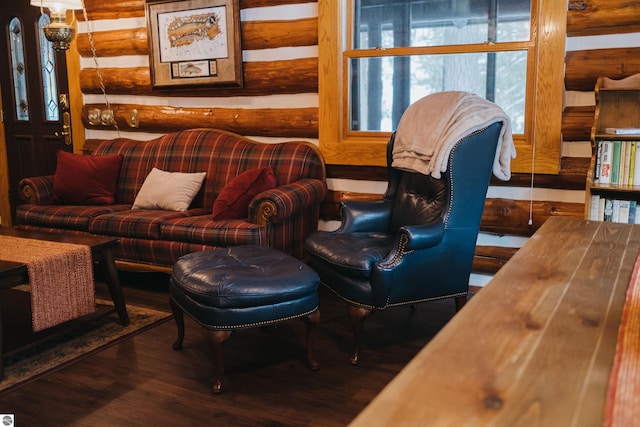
623 211
608 210
605 162
594 207
598 159
632 162
636 167
615 163
623 170
622 131
613 210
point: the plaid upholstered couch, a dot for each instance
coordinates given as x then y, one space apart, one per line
280 217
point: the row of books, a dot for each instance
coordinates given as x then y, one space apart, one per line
614 210
616 164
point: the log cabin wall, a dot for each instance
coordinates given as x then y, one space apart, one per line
280 94
279 101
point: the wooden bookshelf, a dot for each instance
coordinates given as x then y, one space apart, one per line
617 110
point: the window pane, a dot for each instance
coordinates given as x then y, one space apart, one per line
382 88
48 63
440 22
18 70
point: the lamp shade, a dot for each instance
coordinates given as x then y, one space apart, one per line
58 4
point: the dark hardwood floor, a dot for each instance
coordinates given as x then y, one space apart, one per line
142 381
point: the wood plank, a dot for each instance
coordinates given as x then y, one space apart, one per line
131 41
246 4
117 9
278 122
572 176
113 9
370 173
583 67
500 216
577 123
576 326
260 78
546 323
275 34
254 35
507 216
595 17
490 259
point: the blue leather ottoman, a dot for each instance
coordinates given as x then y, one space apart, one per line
242 287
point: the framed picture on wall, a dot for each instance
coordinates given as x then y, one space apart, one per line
194 43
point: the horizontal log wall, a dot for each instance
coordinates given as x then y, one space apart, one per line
596 17
276 122
261 78
116 9
585 66
285 78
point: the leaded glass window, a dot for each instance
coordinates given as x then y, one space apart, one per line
48 64
18 69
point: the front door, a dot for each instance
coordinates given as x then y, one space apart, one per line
35 103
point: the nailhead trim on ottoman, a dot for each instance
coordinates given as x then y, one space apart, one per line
241 287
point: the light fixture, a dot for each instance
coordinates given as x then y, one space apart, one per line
59 32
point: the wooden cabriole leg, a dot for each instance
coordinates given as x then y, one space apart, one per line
312 321
215 340
178 316
460 302
357 316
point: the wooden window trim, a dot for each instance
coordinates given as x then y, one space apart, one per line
543 106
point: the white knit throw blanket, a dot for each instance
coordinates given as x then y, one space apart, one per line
431 126
60 275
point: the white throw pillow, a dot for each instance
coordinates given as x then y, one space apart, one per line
171 191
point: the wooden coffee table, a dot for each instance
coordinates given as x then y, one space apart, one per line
14 273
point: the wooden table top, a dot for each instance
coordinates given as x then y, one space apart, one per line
535 347
95 242
10 268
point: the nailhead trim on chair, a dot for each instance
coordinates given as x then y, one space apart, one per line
459 294
397 257
446 217
373 307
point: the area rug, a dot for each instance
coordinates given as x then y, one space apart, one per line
47 355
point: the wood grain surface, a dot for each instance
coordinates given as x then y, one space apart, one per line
534 348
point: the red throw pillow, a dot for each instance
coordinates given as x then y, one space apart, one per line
233 201
85 180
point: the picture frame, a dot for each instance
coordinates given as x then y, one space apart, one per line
194 43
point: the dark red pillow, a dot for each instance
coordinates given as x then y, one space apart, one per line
85 180
233 201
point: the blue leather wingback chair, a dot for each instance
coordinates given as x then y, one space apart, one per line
414 245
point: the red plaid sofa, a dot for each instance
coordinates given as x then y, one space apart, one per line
280 218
